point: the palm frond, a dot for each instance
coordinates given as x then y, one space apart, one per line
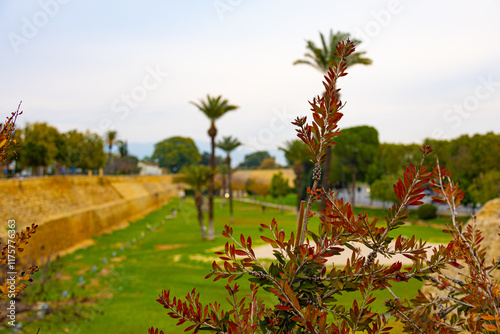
323 57
228 144
214 107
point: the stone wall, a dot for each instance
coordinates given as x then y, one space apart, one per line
71 210
263 175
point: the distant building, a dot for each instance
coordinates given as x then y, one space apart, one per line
150 168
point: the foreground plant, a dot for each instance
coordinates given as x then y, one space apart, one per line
14 281
305 278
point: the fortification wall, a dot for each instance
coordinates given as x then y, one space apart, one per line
71 210
263 175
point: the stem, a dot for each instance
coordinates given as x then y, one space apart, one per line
317 169
363 305
236 310
299 223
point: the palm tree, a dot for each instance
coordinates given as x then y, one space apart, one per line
213 108
111 136
228 144
196 176
296 155
122 148
322 58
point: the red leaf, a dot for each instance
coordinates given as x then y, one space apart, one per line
240 252
268 240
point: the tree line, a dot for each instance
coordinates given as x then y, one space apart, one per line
47 151
358 157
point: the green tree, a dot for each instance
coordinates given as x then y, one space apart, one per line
322 58
229 144
40 143
254 160
214 108
122 148
467 158
176 152
392 159
197 177
205 159
296 155
354 152
279 186
396 157
486 186
74 149
382 190
93 155
111 138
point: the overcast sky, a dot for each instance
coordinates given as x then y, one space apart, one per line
134 66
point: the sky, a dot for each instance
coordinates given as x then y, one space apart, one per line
134 67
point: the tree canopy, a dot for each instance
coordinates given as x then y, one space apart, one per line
40 143
279 185
176 152
43 146
355 151
254 160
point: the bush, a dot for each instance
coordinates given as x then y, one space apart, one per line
427 211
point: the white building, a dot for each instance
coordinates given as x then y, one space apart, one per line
149 168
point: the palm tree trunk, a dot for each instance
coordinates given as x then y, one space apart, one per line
198 200
212 133
231 218
325 181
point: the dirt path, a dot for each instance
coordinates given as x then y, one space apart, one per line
266 252
267 204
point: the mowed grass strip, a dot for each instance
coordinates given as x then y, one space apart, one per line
126 283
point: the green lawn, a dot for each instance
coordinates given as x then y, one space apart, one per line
172 256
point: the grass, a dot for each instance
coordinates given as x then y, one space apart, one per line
126 283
